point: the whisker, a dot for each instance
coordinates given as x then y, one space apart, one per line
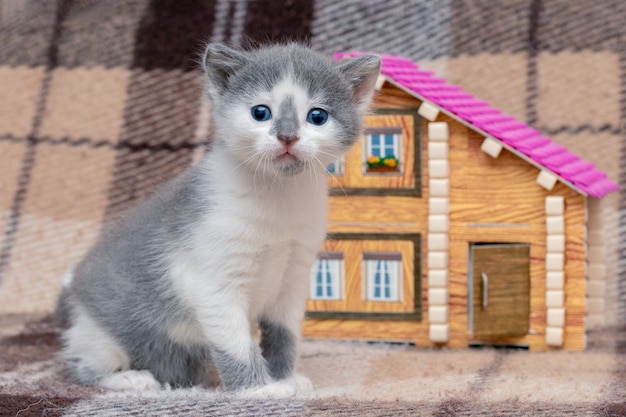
266 171
313 172
274 178
256 193
244 146
327 153
329 174
246 162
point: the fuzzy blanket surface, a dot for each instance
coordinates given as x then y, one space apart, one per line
100 101
349 378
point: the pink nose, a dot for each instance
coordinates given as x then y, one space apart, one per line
287 140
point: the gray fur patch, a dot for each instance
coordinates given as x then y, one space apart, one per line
124 277
82 374
237 375
319 76
286 122
63 308
279 349
294 168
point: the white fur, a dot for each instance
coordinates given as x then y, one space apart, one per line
262 241
91 346
262 233
289 387
187 333
130 380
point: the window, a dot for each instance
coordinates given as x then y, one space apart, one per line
388 158
383 149
383 274
399 254
335 168
326 276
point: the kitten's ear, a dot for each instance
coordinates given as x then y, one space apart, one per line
220 63
362 73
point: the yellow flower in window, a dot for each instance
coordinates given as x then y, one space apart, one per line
390 162
373 160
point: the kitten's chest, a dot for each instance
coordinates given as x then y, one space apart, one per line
272 217
267 237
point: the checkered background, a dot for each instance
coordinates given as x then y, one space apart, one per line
100 101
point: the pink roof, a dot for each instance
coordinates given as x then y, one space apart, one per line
479 115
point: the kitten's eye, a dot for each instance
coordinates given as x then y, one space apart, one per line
261 113
317 117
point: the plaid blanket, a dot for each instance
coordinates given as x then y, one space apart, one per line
100 101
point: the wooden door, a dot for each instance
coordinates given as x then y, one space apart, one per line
500 290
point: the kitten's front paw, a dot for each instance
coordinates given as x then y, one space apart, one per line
301 382
131 380
280 389
289 387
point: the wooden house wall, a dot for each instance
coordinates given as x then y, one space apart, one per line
498 200
491 200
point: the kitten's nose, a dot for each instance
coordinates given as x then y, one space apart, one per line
287 139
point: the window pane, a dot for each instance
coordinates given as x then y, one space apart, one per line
329 279
375 147
325 279
383 277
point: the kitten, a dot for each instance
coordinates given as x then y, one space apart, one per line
171 291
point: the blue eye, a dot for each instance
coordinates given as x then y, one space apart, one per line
317 117
261 113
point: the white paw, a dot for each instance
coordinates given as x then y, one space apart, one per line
302 383
131 380
289 387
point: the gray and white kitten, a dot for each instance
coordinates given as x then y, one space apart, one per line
171 292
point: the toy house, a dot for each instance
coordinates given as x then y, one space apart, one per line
452 224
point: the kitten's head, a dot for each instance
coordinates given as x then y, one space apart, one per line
285 108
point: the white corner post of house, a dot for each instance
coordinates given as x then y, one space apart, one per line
555 272
546 179
491 147
596 266
428 111
438 228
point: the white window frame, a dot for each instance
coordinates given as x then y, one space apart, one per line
329 264
389 263
382 138
381 132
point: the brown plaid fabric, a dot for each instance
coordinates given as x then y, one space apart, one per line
100 101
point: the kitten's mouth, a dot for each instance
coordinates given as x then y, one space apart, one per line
286 155
288 163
